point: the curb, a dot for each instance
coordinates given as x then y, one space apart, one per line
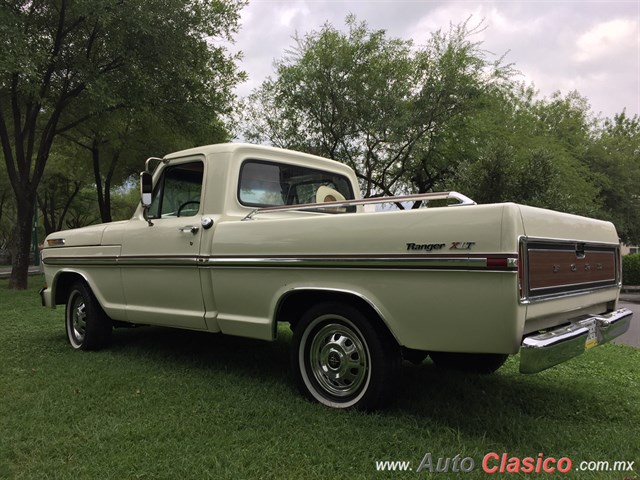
6 273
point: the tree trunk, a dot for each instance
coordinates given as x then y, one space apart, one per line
20 260
48 214
103 189
76 189
95 160
107 187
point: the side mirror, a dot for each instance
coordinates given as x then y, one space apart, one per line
146 188
146 194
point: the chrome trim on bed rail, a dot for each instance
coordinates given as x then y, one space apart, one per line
463 200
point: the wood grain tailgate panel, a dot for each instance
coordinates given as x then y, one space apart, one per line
552 269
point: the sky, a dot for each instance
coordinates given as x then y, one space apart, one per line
589 46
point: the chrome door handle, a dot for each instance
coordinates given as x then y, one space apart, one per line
189 229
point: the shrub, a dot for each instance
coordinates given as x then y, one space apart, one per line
631 269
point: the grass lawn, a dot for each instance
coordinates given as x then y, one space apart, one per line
164 403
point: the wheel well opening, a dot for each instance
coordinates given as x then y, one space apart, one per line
63 286
293 306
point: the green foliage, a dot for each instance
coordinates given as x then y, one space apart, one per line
390 110
631 269
106 67
165 403
124 202
614 157
527 155
447 116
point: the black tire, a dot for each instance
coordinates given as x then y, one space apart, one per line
343 359
88 327
469 362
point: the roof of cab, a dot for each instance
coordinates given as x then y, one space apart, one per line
206 149
252 149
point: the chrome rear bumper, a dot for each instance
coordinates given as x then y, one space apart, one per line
540 351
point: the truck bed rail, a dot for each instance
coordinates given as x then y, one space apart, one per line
463 200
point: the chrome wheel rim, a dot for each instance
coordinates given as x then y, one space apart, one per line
78 318
339 359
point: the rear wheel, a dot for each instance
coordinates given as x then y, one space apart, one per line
88 327
469 362
343 359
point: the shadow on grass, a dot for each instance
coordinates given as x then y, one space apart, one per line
203 351
499 406
505 400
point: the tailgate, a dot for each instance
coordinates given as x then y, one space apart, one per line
556 268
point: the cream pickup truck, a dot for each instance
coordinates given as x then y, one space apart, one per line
236 239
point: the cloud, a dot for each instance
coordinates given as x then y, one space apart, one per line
619 36
292 15
590 46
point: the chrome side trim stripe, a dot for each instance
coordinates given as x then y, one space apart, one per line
366 262
502 263
123 261
158 261
81 261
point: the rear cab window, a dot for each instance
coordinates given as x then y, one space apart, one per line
269 184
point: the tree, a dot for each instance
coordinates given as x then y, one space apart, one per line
116 142
530 151
390 110
6 215
65 62
57 192
615 159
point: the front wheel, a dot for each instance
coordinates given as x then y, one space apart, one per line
343 359
88 327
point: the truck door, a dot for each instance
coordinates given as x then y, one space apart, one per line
159 263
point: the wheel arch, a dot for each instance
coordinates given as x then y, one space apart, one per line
293 303
62 284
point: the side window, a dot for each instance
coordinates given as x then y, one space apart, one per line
266 184
178 192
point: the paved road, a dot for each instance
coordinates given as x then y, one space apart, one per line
5 272
632 337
